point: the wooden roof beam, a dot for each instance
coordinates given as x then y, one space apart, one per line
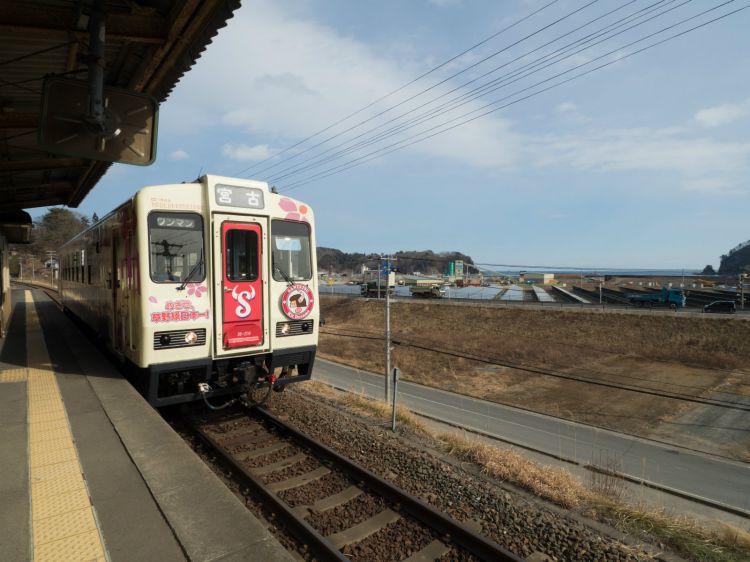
18 120
41 164
21 18
31 203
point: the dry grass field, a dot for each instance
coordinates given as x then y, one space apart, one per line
689 356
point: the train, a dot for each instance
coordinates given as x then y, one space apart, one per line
206 290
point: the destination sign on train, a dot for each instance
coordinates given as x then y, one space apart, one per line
236 196
174 222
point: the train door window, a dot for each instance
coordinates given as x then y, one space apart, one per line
290 248
176 247
242 255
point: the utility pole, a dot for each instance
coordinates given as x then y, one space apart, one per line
379 279
600 292
387 270
742 290
396 374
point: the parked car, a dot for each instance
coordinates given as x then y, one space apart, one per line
727 307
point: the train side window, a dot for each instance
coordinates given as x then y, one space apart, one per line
242 255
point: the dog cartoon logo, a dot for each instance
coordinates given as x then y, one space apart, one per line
297 301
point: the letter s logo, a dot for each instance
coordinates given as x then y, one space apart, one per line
243 309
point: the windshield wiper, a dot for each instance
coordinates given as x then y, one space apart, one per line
284 274
189 275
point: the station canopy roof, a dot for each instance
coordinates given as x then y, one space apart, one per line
149 45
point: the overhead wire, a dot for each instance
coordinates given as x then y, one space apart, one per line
404 86
521 91
474 93
436 130
727 404
433 86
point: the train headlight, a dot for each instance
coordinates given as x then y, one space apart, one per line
285 329
165 340
191 338
305 326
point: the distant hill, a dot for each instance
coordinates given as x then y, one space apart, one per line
408 261
736 261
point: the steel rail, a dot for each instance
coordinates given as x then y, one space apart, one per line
301 529
456 532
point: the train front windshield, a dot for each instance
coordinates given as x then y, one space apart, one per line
176 247
290 245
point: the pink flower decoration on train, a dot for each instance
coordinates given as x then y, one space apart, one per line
292 211
195 289
153 300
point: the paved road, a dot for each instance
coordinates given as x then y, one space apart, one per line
704 477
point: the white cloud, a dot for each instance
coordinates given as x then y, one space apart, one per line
701 164
245 152
722 114
709 185
298 76
569 112
178 154
566 107
444 3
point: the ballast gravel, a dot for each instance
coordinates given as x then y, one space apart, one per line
523 526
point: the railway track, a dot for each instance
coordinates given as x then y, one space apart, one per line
337 508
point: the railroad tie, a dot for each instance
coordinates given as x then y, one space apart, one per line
279 465
263 451
300 480
365 529
329 502
242 430
336 500
436 549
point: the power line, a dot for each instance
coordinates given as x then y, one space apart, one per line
385 150
415 138
435 112
556 374
565 344
496 53
414 80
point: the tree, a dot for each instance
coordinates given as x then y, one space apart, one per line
53 229
709 270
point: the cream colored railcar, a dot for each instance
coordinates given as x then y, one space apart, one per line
207 283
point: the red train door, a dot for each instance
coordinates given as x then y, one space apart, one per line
242 285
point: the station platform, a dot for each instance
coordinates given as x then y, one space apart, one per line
89 471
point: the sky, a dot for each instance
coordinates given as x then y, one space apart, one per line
641 164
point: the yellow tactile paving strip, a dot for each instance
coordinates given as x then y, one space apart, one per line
13 375
63 525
